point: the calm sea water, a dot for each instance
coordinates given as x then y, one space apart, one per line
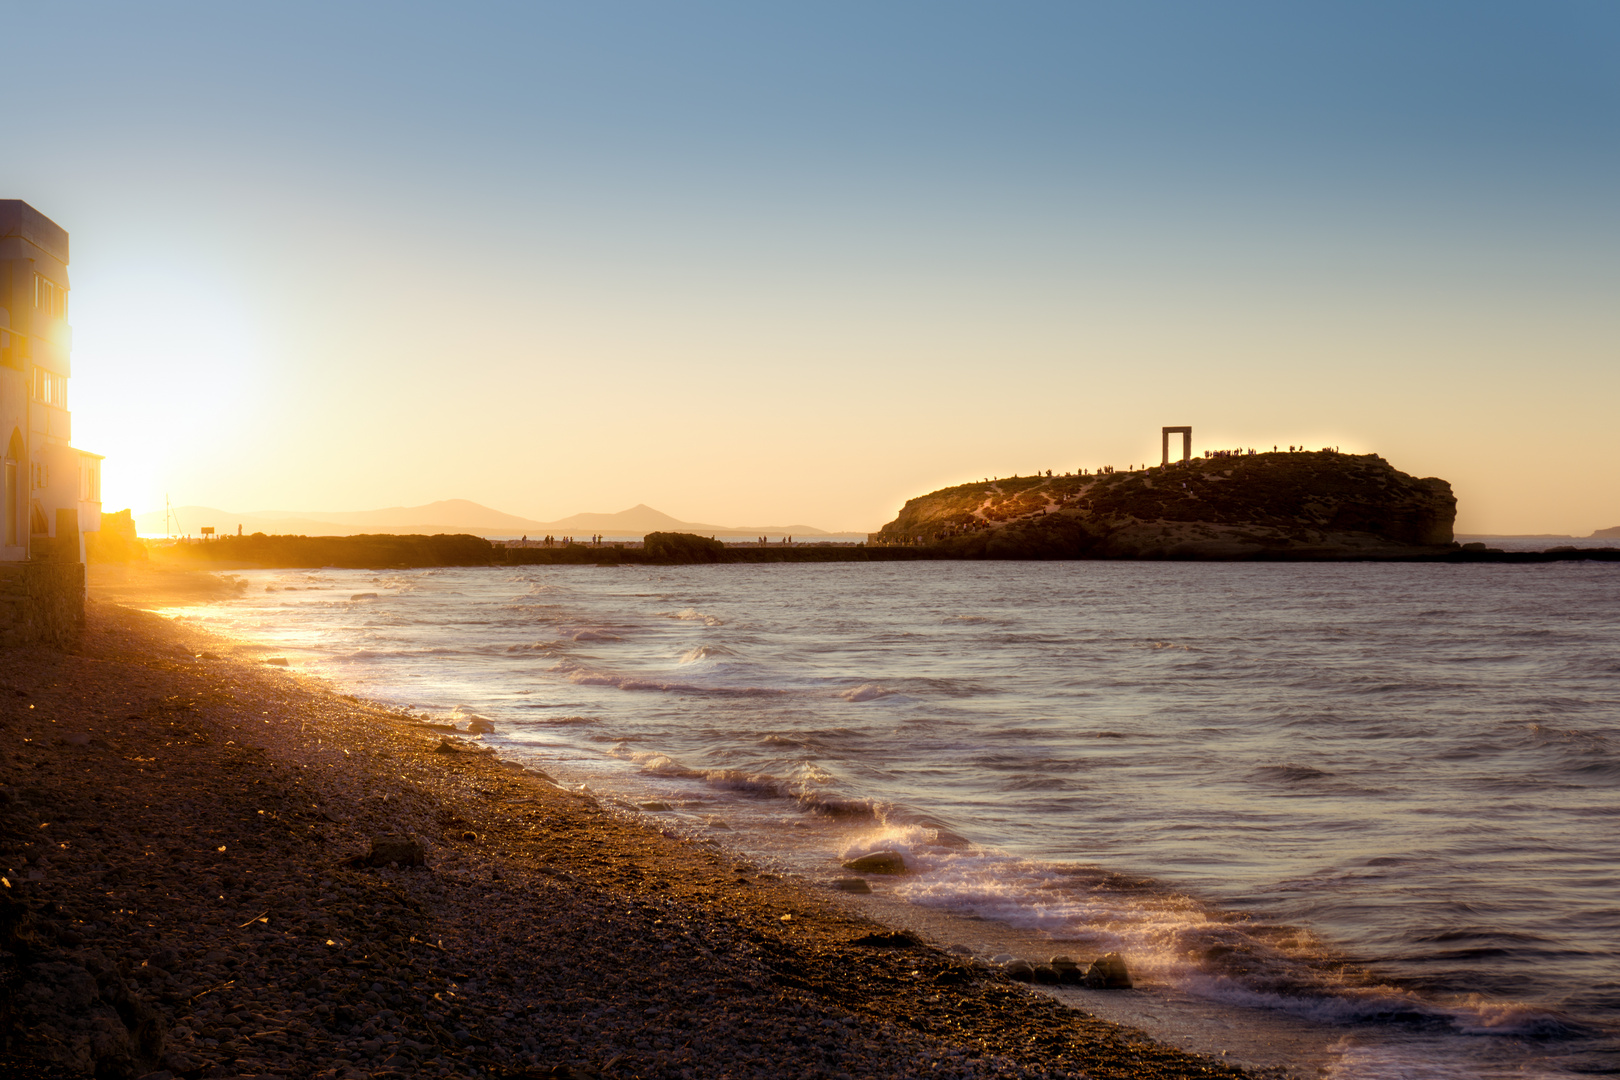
1384 798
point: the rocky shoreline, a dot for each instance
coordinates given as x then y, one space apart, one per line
198 883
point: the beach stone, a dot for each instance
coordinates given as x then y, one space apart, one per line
1045 974
653 807
1108 972
1068 970
449 745
852 885
878 862
1020 970
479 725
278 661
404 850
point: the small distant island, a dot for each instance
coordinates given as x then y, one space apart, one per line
1280 505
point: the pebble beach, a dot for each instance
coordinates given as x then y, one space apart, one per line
216 867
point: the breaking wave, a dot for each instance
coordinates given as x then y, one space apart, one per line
865 692
704 652
584 676
694 615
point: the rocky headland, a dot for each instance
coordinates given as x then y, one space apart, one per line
1301 505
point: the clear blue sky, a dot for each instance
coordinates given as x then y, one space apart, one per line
756 263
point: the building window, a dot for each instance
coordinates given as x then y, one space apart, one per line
89 480
49 388
42 475
50 297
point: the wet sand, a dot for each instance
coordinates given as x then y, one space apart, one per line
185 828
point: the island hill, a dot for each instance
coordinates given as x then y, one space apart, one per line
1304 505
1289 505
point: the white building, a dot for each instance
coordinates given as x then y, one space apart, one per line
50 493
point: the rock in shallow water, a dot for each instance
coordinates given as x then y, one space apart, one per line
852 885
1108 973
878 862
452 745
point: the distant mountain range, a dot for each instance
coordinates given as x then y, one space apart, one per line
448 516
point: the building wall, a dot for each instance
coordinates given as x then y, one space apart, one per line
41 602
36 343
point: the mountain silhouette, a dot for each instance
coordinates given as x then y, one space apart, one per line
445 516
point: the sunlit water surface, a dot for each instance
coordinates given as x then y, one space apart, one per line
1379 797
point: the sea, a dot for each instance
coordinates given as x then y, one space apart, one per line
1370 808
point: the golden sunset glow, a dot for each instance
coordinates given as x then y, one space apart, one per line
767 294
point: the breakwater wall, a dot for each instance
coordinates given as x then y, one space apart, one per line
387 551
382 552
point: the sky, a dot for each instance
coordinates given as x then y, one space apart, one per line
796 263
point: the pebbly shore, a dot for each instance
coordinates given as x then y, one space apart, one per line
208 872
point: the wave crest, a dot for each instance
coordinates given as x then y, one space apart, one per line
866 692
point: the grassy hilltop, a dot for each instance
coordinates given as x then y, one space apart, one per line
1318 504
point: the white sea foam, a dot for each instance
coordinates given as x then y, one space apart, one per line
591 633
865 692
1169 938
694 615
581 675
704 652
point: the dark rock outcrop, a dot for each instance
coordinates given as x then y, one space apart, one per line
878 862
1277 505
676 547
1108 972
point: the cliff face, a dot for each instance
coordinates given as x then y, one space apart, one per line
1278 505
